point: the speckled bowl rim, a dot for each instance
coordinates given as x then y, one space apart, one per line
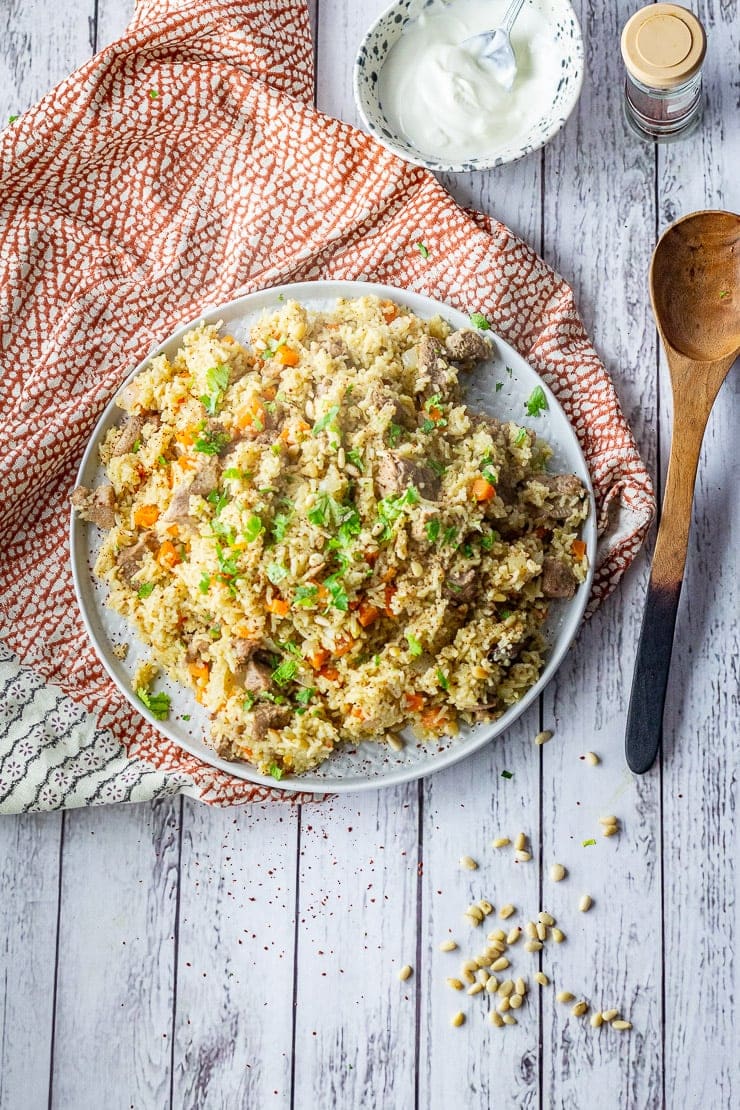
438 166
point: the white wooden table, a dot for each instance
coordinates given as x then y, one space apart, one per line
173 955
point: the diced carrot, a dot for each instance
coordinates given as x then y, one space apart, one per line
332 327
389 310
355 711
186 437
279 606
388 575
435 414
199 673
186 462
168 555
322 594
367 614
146 515
319 657
390 592
578 549
329 673
343 646
269 393
173 530
481 490
251 416
371 557
434 717
286 356
414 702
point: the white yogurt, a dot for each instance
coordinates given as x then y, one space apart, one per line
447 102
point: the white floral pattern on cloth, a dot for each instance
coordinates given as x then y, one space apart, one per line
181 166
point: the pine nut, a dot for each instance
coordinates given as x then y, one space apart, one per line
506 988
557 872
507 910
458 1019
531 930
541 931
515 1001
496 948
514 935
520 842
609 1015
468 863
501 842
481 961
486 906
492 984
545 918
521 986
495 1018
596 1020
497 934
593 759
483 977
609 830
405 972
474 915
455 984
585 903
621 1024
542 979
608 821
564 996
558 935
543 737
467 976
579 1009
475 989
533 946
503 1005
500 964
448 946
522 856
395 743
509 1019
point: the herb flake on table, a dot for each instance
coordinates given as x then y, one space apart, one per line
157 704
588 843
153 94
507 774
536 402
422 249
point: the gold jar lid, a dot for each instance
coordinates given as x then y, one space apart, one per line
663 45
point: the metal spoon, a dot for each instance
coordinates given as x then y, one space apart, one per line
695 292
495 47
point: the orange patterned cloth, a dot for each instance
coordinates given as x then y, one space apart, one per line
181 166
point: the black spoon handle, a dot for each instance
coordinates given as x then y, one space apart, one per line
650 679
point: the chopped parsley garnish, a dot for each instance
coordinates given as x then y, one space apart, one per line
145 589
276 573
432 402
467 550
157 704
286 672
248 702
211 443
588 843
438 467
273 345
356 459
509 371
499 386
505 614
428 426
507 774
218 499
537 402
326 420
432 529
422 249
442 679
325 511
520 436
276 772
488 471
215 632
391 508
305 596
12 119
253 528
184 716
280 526
338 594
234 472
136 447
217 381
395 431
487 541
415 647
162 460
478 320
304 696
449 536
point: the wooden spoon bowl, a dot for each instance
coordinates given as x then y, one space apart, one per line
695 292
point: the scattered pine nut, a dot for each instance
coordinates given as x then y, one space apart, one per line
609 830
483 976
506 988
395 743
497 934
448 946
533 946
608 821
521 986
467 976
503 1005
474 914
593 759
468 863
558 935
455 984
545 918
500 964
495 1018
458 1019
501 842
475 989
557 872
596 1020
585 903
514 935
531 930
507 910
509 1019
522 856
405 972
541 931
564 996
520 842
497 948
485 906
481 961
515 1001
542 979
492 984
579 1009
621 1024
609 1015
543 737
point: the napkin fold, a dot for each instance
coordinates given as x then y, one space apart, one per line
182 166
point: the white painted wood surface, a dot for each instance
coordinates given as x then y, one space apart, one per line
172 955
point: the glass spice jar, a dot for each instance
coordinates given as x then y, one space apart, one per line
663 47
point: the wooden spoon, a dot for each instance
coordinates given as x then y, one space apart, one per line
695 292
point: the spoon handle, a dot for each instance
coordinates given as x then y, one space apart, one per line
510 15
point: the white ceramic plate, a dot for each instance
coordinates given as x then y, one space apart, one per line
367 765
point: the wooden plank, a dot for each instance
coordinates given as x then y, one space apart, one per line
465 808
29 900
700 761
115 974
113 16
42 43
234 997
356 1022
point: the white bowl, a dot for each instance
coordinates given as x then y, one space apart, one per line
388 28
368 765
